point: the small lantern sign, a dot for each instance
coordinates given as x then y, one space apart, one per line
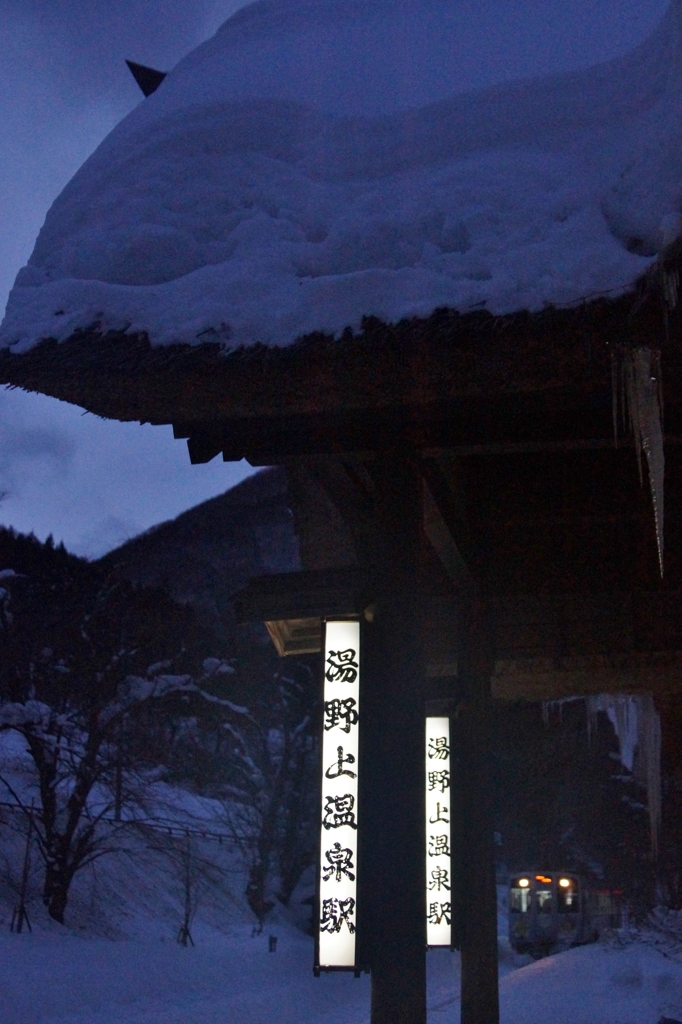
438 836
338 873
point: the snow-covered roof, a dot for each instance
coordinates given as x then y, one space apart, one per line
322 160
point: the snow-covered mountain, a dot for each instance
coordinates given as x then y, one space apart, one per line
208 553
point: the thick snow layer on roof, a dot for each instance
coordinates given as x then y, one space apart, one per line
322 160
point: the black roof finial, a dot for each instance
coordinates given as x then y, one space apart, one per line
148 79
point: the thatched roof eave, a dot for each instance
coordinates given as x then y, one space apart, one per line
431 369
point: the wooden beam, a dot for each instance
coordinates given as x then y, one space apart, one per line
587 444
445 477
308 594
440 536
204 446
333 507
537 679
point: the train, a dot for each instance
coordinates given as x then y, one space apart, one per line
553 910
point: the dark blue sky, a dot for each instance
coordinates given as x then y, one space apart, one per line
63 86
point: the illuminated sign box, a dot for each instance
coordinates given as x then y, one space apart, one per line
337 879
438 833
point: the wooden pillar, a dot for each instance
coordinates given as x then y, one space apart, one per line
480 998
393 769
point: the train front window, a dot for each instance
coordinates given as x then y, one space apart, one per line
519 900
544 898
567 896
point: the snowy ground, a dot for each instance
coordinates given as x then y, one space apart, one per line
117 962
59 978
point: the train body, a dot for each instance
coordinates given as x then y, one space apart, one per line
553 910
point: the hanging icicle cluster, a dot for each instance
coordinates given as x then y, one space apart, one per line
637 726
638 396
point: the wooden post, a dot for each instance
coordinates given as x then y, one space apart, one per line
480 996
392 798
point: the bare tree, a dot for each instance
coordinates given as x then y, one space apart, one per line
79 654
190 896
18 868
192 874
73 760
270 807
20 913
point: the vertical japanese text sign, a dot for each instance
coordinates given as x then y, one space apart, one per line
438 818
338 831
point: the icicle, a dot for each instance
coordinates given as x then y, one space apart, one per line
671 285
647 385
632 408
592 706
649 762
548 706
669 276
623 715
642 380
637 727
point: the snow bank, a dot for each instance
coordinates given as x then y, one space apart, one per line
594 985
321 160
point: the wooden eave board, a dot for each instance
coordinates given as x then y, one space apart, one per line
305 594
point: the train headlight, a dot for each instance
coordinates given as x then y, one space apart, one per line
565 883
523 883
